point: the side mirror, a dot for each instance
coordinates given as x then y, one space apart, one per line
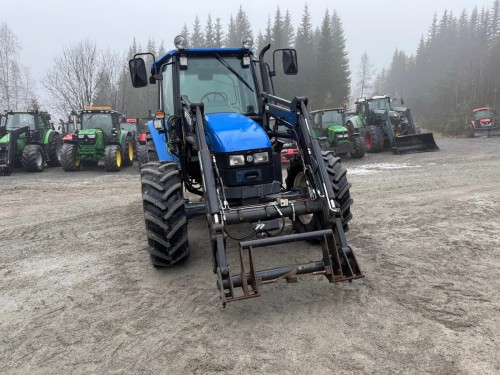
47 116
290 61
402 101
138 72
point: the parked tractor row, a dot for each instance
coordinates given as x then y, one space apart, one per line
30 141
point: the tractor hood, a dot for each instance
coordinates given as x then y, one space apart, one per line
336 128
89 131
230 132
5 138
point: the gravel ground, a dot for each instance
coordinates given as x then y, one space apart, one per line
78 293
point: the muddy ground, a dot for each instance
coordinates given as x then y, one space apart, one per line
78 293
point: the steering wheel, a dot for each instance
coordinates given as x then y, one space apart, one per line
213 95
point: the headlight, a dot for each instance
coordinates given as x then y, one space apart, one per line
180 42
91 136
81 136
260 157
235 160
247 42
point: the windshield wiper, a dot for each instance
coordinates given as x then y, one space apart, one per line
224 62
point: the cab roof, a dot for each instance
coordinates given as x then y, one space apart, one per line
198 52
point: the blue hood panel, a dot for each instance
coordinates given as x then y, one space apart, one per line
230 132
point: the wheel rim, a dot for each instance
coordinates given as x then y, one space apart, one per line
39 159
368 140
300 181
118 159
58 151
130 152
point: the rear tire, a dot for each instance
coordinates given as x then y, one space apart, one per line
340 185
33 158
142 154
54 151
113 158
69 161
374 139
164 213
358 147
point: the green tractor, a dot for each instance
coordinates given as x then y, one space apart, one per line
384 126
28 140
98 138
332 133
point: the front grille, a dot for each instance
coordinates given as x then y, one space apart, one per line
85 140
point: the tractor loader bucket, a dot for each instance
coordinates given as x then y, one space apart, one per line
487 131
422 142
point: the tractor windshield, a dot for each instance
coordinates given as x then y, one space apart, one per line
221 83
128 126
19 120
332 118
484 113
382 103
102 121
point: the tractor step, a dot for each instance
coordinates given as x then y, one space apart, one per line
338 264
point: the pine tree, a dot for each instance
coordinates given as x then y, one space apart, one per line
209 33
341 72
232 36
197 39
243 26
218 33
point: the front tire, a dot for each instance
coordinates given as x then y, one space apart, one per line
339 183
113 158
128 152
358 147
33 158
374 138
54 151
164 213
69 161
152 155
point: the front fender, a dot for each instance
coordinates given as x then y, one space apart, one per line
160 142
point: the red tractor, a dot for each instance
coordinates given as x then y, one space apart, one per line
482 123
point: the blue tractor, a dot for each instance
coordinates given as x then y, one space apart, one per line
218 134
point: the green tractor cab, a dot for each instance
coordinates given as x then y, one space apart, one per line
333 134
28 140
99 137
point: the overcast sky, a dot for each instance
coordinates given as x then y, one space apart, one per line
44 27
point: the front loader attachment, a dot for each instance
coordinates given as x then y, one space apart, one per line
422 142
338 264
487 131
